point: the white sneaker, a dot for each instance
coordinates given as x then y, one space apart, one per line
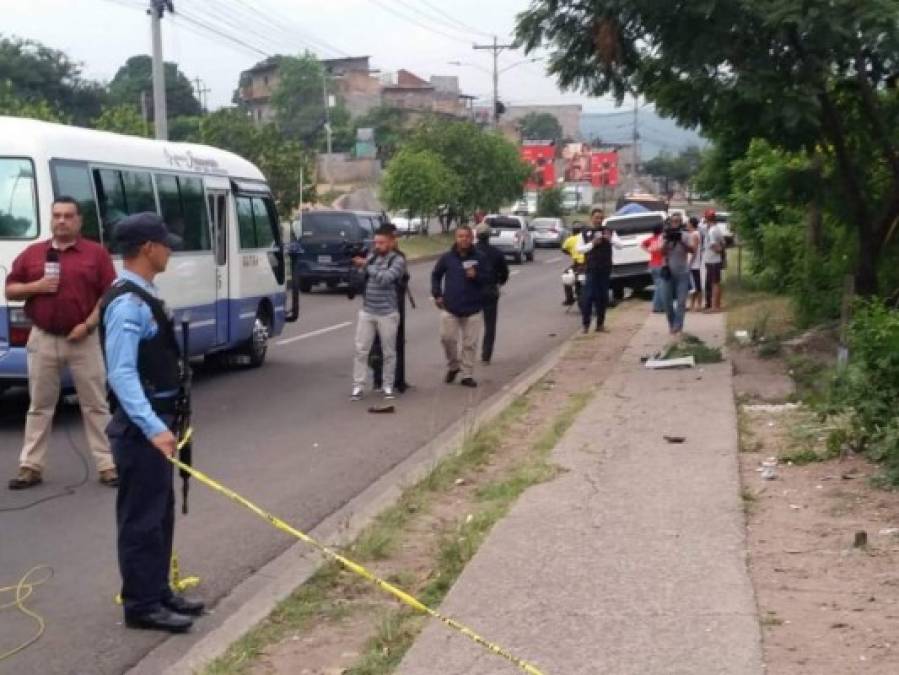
389 394
358 392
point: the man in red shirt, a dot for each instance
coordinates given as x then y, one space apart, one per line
62 281
653 246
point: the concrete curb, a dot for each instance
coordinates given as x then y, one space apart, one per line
256 597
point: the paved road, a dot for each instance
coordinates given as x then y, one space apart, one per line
285 435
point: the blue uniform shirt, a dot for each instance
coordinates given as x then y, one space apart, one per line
128 320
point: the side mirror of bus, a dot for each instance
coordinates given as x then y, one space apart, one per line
276 260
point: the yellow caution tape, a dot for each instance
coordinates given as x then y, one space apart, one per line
22 591
354 567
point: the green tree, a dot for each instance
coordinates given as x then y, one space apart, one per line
391 126
549 203
135 78
418 181
800 74
537 126
488 167
36 73
13 106
122 119
299 98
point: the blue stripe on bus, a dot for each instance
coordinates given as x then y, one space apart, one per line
241 313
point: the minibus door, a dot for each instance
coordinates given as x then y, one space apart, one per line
218 214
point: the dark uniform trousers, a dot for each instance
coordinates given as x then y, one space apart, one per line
491 312
145 515
595 295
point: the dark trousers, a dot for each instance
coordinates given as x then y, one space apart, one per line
595 296
376 356
491 312
145 515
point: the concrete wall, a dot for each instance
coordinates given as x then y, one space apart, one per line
342 169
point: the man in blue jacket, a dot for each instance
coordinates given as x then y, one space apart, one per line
456 284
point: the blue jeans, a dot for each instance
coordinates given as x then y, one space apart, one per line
595 294
675 292
658 303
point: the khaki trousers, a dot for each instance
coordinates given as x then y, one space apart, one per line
367 326
48 355
470 328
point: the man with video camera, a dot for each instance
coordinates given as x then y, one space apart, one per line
677 248
376 277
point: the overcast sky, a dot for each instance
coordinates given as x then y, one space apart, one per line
419 35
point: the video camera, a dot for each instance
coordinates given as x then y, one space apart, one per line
356 279
673 235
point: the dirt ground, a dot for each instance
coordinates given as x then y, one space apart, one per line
825 605
334 643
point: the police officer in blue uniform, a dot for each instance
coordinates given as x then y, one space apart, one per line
146 375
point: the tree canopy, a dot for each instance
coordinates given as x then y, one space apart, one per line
537 126
817 76
299 98
681 167
135 76
418 181
36 74
489 168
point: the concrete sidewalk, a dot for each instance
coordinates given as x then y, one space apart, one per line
633 560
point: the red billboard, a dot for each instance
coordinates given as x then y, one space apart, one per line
604 168
541 155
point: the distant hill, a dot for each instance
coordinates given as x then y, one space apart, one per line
656 133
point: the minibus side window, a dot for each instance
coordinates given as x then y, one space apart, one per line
72 179
18 199
245 223
184 210
265 229
111 198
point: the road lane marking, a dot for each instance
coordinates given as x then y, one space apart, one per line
314 333
552 260
514 272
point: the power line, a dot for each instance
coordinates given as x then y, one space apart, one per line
405 17
280 22
453 19
442 23
228 22
222 34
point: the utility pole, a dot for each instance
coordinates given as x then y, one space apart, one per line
160 116
327 101
202 90
636 147
496 48
145 110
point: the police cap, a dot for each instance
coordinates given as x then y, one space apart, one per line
140 228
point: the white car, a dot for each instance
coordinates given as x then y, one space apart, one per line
630 264
405 225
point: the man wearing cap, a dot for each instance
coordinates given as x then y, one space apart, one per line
496 274
145 372
61 281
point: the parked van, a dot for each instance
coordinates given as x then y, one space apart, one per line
631 263
328 240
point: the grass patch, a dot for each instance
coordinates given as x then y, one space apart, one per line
329 593
420 246
813 378
768 318
459 544
802 457
690 345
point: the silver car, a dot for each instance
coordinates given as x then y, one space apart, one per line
548 231
512 236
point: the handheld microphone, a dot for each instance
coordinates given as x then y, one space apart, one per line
51 266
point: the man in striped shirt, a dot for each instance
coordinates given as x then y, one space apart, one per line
380 273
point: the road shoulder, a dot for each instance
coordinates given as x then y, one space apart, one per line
633 560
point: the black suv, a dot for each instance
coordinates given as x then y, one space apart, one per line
328 241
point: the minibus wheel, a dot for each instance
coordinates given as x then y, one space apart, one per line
257 347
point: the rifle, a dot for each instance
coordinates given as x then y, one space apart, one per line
185 454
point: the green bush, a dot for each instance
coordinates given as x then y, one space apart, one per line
868 388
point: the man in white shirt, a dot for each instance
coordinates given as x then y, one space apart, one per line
713 256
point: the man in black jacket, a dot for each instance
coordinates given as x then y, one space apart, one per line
496 274
457 287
